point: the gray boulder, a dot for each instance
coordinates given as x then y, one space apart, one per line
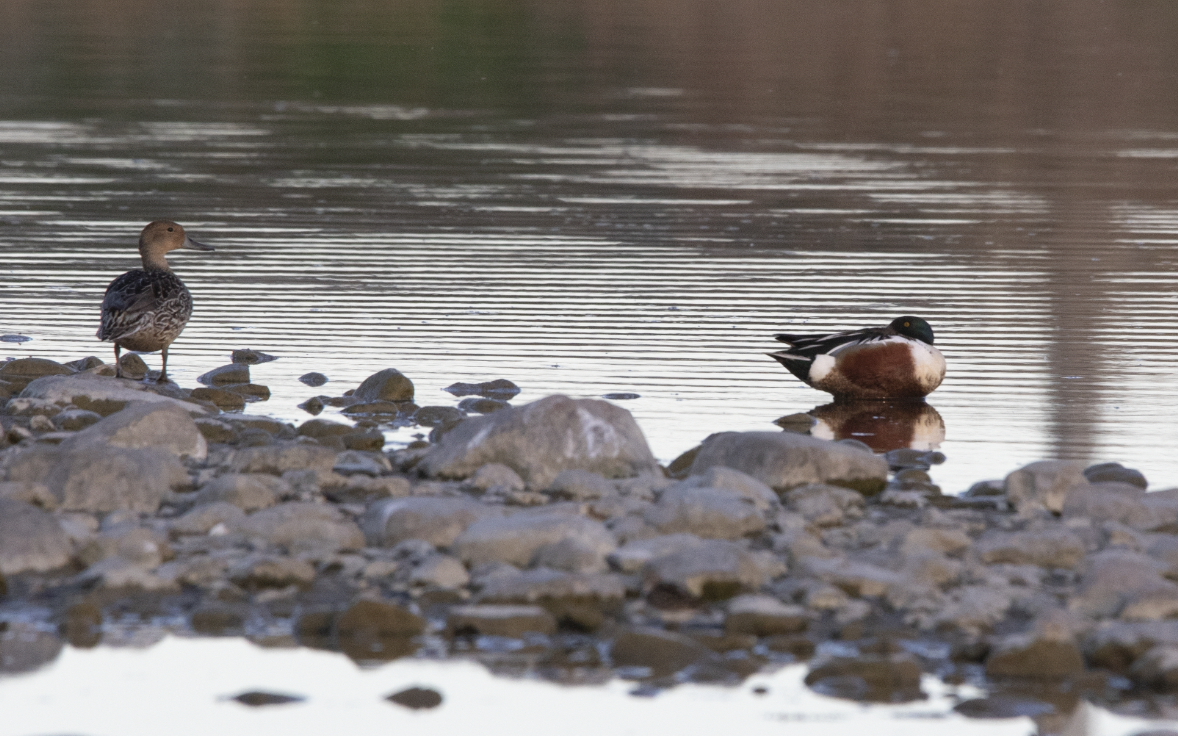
1044 484
31 540
494 475
633 556
436 520
712 570
754 491
762 615
516 539
785 460
38 494
1157 669
541 439
247 491
1101 502
386 385
303 526
1113 578
439 571
544 586
580 485
101 478
496 620
282 457
1046 652
201 519
143 425
99 393
824 505
1049 547
713 513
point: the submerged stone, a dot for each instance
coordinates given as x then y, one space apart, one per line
500 388
416 698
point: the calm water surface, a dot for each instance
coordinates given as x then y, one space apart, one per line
590 200
594 198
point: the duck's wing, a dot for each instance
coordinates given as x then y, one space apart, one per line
807 347
127 307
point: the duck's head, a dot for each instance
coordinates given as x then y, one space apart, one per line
162 236
913 327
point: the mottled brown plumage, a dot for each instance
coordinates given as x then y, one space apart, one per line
146 308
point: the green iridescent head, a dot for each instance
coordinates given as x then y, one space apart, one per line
913 327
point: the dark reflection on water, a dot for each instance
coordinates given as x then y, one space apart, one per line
881 425
594 199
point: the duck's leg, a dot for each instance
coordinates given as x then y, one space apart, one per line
118 367
164 368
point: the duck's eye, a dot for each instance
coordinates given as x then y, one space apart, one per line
906 324
172 229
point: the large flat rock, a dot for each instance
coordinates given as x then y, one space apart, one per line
99 393
161 425
544 438
785 460
101 478
30 539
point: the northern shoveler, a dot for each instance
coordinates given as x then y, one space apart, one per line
893 362
146 309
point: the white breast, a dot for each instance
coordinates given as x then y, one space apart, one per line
930 364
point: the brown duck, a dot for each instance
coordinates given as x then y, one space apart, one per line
146 309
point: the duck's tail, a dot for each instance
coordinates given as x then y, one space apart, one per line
799 365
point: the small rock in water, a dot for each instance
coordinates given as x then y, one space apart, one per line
1115 472
387 385
251 357
436 416
500 388
800 423
620 396
224 399
481 406
84 364
132 366
313 406
250 391
1004 706
232 373
313 379
257 698
14 338
417 698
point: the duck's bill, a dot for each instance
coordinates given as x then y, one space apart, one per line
191 244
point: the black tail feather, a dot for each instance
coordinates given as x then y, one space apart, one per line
797 365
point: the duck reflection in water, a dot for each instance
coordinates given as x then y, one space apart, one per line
881 425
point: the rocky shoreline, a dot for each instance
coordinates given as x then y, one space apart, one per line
546 539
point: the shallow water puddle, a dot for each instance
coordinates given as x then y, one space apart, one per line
185 686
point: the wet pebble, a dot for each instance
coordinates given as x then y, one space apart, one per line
1115 473
313 406
225 399
416 698
389 385
481 406
226 374
258 698
313 379
436 416
499 388
251 357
